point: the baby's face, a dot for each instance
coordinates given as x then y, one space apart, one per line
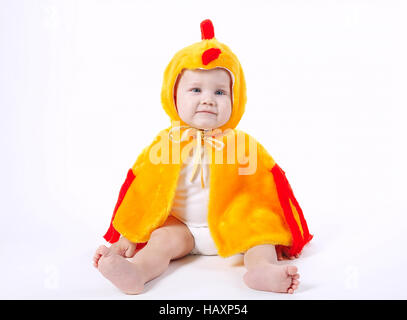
203 98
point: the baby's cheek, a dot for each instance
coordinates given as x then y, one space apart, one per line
187 115
226 112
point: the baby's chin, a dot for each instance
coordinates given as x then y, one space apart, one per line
205 122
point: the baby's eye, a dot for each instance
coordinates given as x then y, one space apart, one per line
196 90
219 92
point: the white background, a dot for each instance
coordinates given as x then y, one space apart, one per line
80 97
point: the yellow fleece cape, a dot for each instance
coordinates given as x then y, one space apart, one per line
250 199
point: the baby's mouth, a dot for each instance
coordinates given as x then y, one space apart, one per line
206 112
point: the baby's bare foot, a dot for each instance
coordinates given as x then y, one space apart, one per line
125 275
271 277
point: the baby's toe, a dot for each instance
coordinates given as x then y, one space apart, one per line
292 270
294 285
95 260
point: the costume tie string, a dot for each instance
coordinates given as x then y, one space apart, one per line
201 138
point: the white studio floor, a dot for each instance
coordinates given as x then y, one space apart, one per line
330 268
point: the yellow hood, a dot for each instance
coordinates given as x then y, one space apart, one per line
206 54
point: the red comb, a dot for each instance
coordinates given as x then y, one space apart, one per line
207 30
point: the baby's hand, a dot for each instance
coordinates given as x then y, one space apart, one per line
283 253
124 248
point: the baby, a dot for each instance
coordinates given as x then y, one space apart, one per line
191 219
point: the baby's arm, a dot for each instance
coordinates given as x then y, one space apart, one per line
123 247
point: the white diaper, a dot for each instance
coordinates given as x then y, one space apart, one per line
204 243
190 205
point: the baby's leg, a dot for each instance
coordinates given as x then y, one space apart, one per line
171 241
264 274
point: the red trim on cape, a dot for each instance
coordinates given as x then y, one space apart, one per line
112 235
285 194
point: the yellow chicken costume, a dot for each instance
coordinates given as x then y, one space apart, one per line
247 207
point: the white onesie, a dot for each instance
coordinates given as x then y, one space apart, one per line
191 205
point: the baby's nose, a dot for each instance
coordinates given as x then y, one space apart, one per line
208 100
208 103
